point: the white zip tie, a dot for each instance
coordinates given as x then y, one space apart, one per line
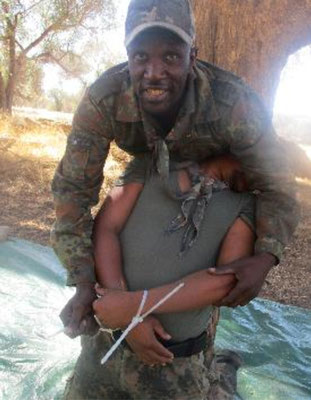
137 319
163 300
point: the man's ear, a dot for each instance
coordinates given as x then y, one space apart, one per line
193 55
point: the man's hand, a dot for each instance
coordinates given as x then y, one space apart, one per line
250 273
115 308
226 168
145 344
77 316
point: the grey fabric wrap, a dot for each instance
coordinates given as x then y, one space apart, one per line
151 257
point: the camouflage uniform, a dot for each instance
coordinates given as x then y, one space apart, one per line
124 377
220 114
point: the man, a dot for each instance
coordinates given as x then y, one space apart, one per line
164 104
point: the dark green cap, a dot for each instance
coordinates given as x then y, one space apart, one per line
174 15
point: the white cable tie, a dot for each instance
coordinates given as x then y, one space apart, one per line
118 342
142 304
163 300
137 319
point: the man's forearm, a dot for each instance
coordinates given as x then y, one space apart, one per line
264 162
76 255
108 261
76 186
199 290
117 308
277 217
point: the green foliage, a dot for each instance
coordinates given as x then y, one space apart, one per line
28 89
48 31
59 100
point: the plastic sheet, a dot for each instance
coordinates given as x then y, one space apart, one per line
274 340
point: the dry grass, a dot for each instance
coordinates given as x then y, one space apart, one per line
29 153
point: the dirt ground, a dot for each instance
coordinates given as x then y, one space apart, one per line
29 153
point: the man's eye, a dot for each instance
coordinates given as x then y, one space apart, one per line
140 57
171 58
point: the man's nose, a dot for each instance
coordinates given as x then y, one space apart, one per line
154 70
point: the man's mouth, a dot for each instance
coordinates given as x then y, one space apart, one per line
155 94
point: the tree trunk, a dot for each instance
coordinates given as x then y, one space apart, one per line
2 94
253 38
12 72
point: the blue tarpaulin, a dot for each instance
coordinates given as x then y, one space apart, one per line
274 340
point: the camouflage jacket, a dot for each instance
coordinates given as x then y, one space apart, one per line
220 114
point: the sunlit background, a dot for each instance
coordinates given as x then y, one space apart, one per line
294 92
293 96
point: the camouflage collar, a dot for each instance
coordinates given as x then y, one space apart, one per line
199 99
206 107
128 109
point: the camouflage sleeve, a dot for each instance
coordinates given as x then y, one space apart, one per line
254 142
76 187
136 170
247 213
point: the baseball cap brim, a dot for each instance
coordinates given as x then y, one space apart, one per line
158 24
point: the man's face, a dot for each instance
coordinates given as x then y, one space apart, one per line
159 65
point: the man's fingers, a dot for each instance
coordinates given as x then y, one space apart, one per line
100 291
66 314
249 296
245 302
85 327
241 300
160 331
78 314
221 271
161 350
88 326
153 357
151 354
236 294
78 309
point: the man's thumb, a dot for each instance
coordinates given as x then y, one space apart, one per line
100 291
220 271
73 332
76 318
160 331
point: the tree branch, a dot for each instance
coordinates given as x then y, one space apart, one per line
54 27
49 57
33 6
39 39
19 45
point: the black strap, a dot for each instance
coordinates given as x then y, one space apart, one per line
186 348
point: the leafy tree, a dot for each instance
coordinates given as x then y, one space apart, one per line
58 100
34 32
